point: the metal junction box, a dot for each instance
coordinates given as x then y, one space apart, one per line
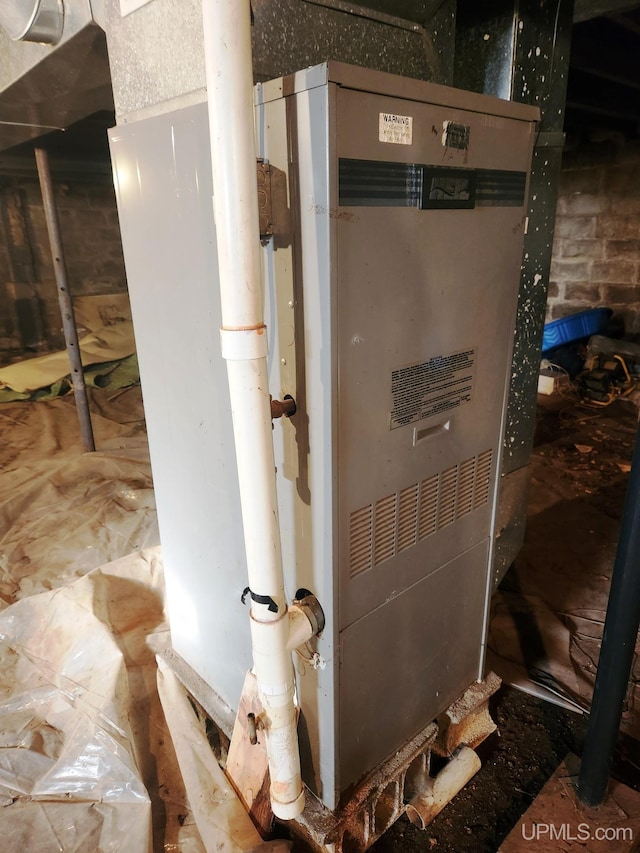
397 210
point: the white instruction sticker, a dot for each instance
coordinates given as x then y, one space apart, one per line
434 387
395 129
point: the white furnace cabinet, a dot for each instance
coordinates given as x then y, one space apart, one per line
391 281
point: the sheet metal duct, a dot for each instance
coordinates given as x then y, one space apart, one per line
33 20
521 51
46 87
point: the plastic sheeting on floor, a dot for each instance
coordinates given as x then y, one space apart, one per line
69 778
87 761
64 512
110 374
108 354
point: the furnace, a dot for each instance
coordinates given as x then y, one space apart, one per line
393 219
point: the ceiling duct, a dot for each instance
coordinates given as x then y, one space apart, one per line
33 20
50 85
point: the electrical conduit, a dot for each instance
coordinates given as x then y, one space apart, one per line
227 40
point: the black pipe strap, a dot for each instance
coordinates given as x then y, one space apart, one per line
259 599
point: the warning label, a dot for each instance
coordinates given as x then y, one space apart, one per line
395 129
434 387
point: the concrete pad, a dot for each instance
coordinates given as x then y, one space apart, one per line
556 821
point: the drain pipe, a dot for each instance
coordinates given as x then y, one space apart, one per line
434 793
275 628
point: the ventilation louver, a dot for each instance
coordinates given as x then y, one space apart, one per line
398 521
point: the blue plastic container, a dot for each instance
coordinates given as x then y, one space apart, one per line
573 328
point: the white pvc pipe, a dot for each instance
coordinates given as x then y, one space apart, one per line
227 43
426 805
227 40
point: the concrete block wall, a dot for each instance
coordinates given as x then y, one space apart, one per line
93 252
596 249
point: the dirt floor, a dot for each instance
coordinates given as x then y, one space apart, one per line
580 466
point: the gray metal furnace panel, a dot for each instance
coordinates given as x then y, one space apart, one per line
423 296
401 660
430 217
163 186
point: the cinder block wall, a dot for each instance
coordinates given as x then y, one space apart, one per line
93 251
596 249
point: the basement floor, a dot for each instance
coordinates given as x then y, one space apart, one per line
548 614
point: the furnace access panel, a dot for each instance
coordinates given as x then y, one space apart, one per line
399 209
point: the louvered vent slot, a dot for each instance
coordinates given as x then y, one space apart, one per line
481 486
408 518
447 497
428 507
393 524
361 540
385 521
466 479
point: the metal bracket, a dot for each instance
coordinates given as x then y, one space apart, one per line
264 200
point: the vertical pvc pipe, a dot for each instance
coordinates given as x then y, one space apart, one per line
617 650
64 300
227 40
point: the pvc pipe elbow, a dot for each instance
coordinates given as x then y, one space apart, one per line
306 620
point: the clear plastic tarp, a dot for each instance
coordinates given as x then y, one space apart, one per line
87 758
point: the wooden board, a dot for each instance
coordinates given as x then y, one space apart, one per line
247 766
557 822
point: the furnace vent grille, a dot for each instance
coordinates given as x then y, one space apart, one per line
380 531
